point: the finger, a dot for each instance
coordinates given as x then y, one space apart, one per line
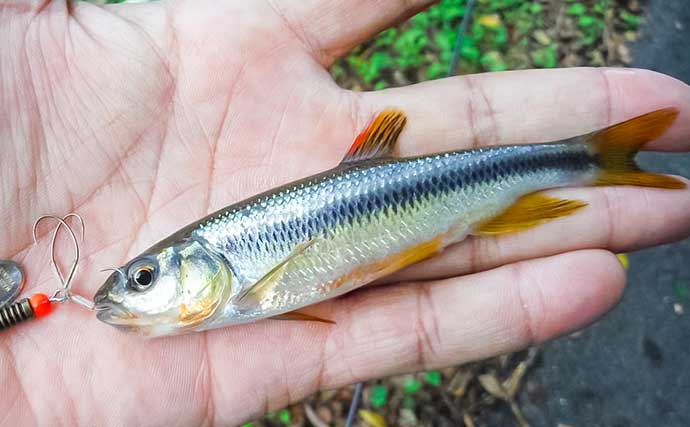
529 106
331 28
619 219
406 328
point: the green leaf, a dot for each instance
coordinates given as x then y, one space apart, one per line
478 31
433 378
501 37
380 60
600 6
546 57
408 402
576 9
493 61
471 53
536 8
248 425
386 38
371 70
421 20
587 21
631 19
412 385
496 5
453 11
445 40
409 46
380 85
436 71
379 396
284 417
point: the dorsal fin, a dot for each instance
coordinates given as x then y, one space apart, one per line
379 138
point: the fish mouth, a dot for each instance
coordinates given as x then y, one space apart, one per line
114 314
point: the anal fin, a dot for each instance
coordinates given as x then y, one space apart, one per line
529 211
297 315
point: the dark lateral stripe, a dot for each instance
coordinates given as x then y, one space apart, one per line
453 172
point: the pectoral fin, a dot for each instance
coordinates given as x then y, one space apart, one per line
255 293
529 211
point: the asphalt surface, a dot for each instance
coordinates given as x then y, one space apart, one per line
632 368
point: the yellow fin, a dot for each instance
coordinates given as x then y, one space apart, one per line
255 293
617 146
639 179
529 211
379 138
297 315
413 255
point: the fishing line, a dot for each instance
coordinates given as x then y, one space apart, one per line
461 36
462 29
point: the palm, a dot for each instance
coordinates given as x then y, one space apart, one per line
149 118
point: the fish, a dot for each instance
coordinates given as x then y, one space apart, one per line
272 255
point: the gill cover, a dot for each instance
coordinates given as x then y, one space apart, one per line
185 286
205 284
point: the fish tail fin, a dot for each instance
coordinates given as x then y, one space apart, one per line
617 146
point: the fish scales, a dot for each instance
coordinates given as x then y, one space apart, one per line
369 212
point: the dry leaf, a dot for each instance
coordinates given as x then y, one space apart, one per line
512 384
313 418
492 386
541 37
467 420
458 384
492 21
371 418
623 258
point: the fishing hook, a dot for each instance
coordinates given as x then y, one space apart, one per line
63 293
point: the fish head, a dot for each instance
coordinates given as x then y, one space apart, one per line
168 290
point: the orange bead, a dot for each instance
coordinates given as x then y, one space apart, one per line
41 305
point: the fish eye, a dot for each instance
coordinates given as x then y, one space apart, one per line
142 276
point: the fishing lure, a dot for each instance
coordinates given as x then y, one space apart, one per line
323 236
38 305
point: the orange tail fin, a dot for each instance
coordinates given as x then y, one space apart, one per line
617 146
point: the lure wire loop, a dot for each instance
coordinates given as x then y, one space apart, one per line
64 292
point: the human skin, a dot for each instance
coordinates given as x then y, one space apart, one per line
143 118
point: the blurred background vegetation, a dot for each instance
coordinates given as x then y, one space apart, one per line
502 35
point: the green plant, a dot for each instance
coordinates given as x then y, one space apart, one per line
412 385
379 396
433 378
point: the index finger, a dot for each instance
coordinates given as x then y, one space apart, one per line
530 106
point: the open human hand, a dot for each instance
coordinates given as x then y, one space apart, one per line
143 118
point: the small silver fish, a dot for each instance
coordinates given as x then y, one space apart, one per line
323 236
